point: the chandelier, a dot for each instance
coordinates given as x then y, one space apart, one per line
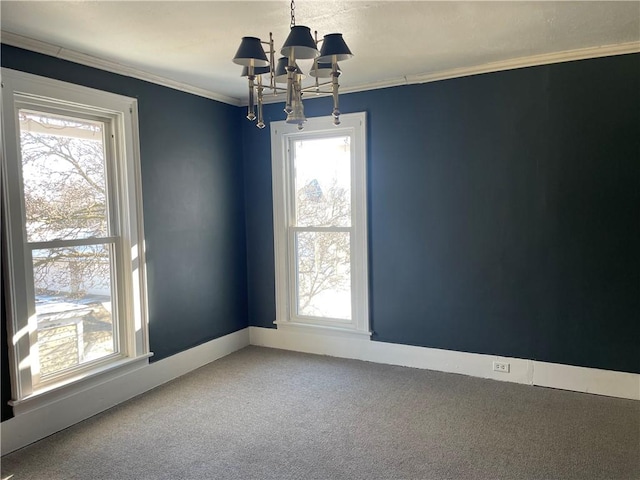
299 45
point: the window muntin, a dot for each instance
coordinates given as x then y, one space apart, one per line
76 289
319 178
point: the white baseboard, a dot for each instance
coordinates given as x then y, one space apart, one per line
530 372
39 423
36 424
587 380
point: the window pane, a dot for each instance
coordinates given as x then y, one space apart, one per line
323 274
63 169
322 177
73 305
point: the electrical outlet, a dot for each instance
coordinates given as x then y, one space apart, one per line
501 367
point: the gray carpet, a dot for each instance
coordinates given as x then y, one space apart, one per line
269 414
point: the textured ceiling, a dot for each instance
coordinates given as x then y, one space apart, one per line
193 42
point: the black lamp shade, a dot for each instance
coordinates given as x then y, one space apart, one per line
300 43
323 70
281 71
256 71
334 48
250 53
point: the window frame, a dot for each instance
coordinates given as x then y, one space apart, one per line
124 210
282 136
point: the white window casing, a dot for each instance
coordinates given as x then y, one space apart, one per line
283 136
22 91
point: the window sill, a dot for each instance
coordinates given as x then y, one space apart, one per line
321 329
85 381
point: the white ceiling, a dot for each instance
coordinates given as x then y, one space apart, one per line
193 42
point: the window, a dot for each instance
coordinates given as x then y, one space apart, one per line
73 233
319 192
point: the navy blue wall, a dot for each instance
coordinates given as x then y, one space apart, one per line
192 184
503 212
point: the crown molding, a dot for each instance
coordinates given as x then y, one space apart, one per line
529 61
512 64
110 66
521 62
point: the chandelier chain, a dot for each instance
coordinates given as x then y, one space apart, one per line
293 14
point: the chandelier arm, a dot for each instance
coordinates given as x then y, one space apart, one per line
312 88
277 90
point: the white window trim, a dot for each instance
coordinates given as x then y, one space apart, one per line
353 124
21 88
